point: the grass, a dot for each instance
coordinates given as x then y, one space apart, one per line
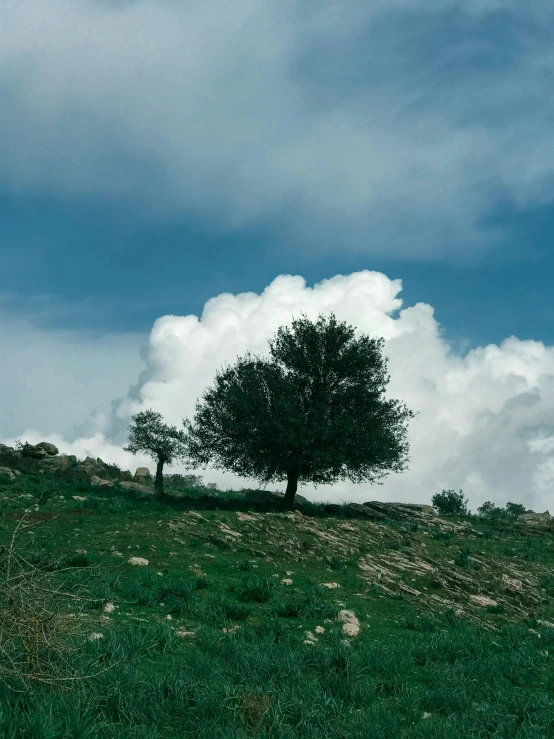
231 629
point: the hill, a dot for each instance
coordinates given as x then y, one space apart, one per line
220 614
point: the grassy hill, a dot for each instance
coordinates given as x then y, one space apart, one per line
238 619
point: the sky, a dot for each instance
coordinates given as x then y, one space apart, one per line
178 179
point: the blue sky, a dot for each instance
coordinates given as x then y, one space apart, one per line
156 156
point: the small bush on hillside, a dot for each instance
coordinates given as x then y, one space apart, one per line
450 502
494 513
257 589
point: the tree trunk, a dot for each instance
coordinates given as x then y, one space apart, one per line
159 481
292 484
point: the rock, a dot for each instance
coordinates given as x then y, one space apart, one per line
483 600
141 473
50 449
332 508
78 497
330 585
90 461
351 625
286 581
263 496
421 507
5 449
362 510
35 452
62 462
535 519
185 634
140 561
512 584
135 486
98 482
6 472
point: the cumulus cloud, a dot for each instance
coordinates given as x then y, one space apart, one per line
383 128
485 419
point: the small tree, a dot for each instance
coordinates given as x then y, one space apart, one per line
516 509
450 502
165 444
312 413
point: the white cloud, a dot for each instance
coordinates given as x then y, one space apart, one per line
53 379
229 110
485 423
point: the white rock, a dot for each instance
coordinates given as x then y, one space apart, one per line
351 625
140 561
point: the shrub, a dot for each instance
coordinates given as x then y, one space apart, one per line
450 502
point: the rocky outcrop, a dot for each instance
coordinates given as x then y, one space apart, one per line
267 496
7 473
142 475
99 482
128 485
535 519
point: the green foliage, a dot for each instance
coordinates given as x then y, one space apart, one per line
149 434
313 413
450 502
494 513
256 589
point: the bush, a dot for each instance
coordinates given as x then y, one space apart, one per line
450 502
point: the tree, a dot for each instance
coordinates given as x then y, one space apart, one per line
450 502
165 444
312 413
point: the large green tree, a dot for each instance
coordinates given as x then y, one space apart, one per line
312 413
165 444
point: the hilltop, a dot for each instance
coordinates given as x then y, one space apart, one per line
242 619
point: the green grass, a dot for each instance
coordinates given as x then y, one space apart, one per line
429 662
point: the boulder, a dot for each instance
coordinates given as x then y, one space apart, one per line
402 511
135 486
50 449
350 623
419 507
62 462
362 510
332 508
35 452
142 474
6 472
140 561
263 496
99 482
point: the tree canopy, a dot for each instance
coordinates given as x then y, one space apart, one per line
165 444
312 413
